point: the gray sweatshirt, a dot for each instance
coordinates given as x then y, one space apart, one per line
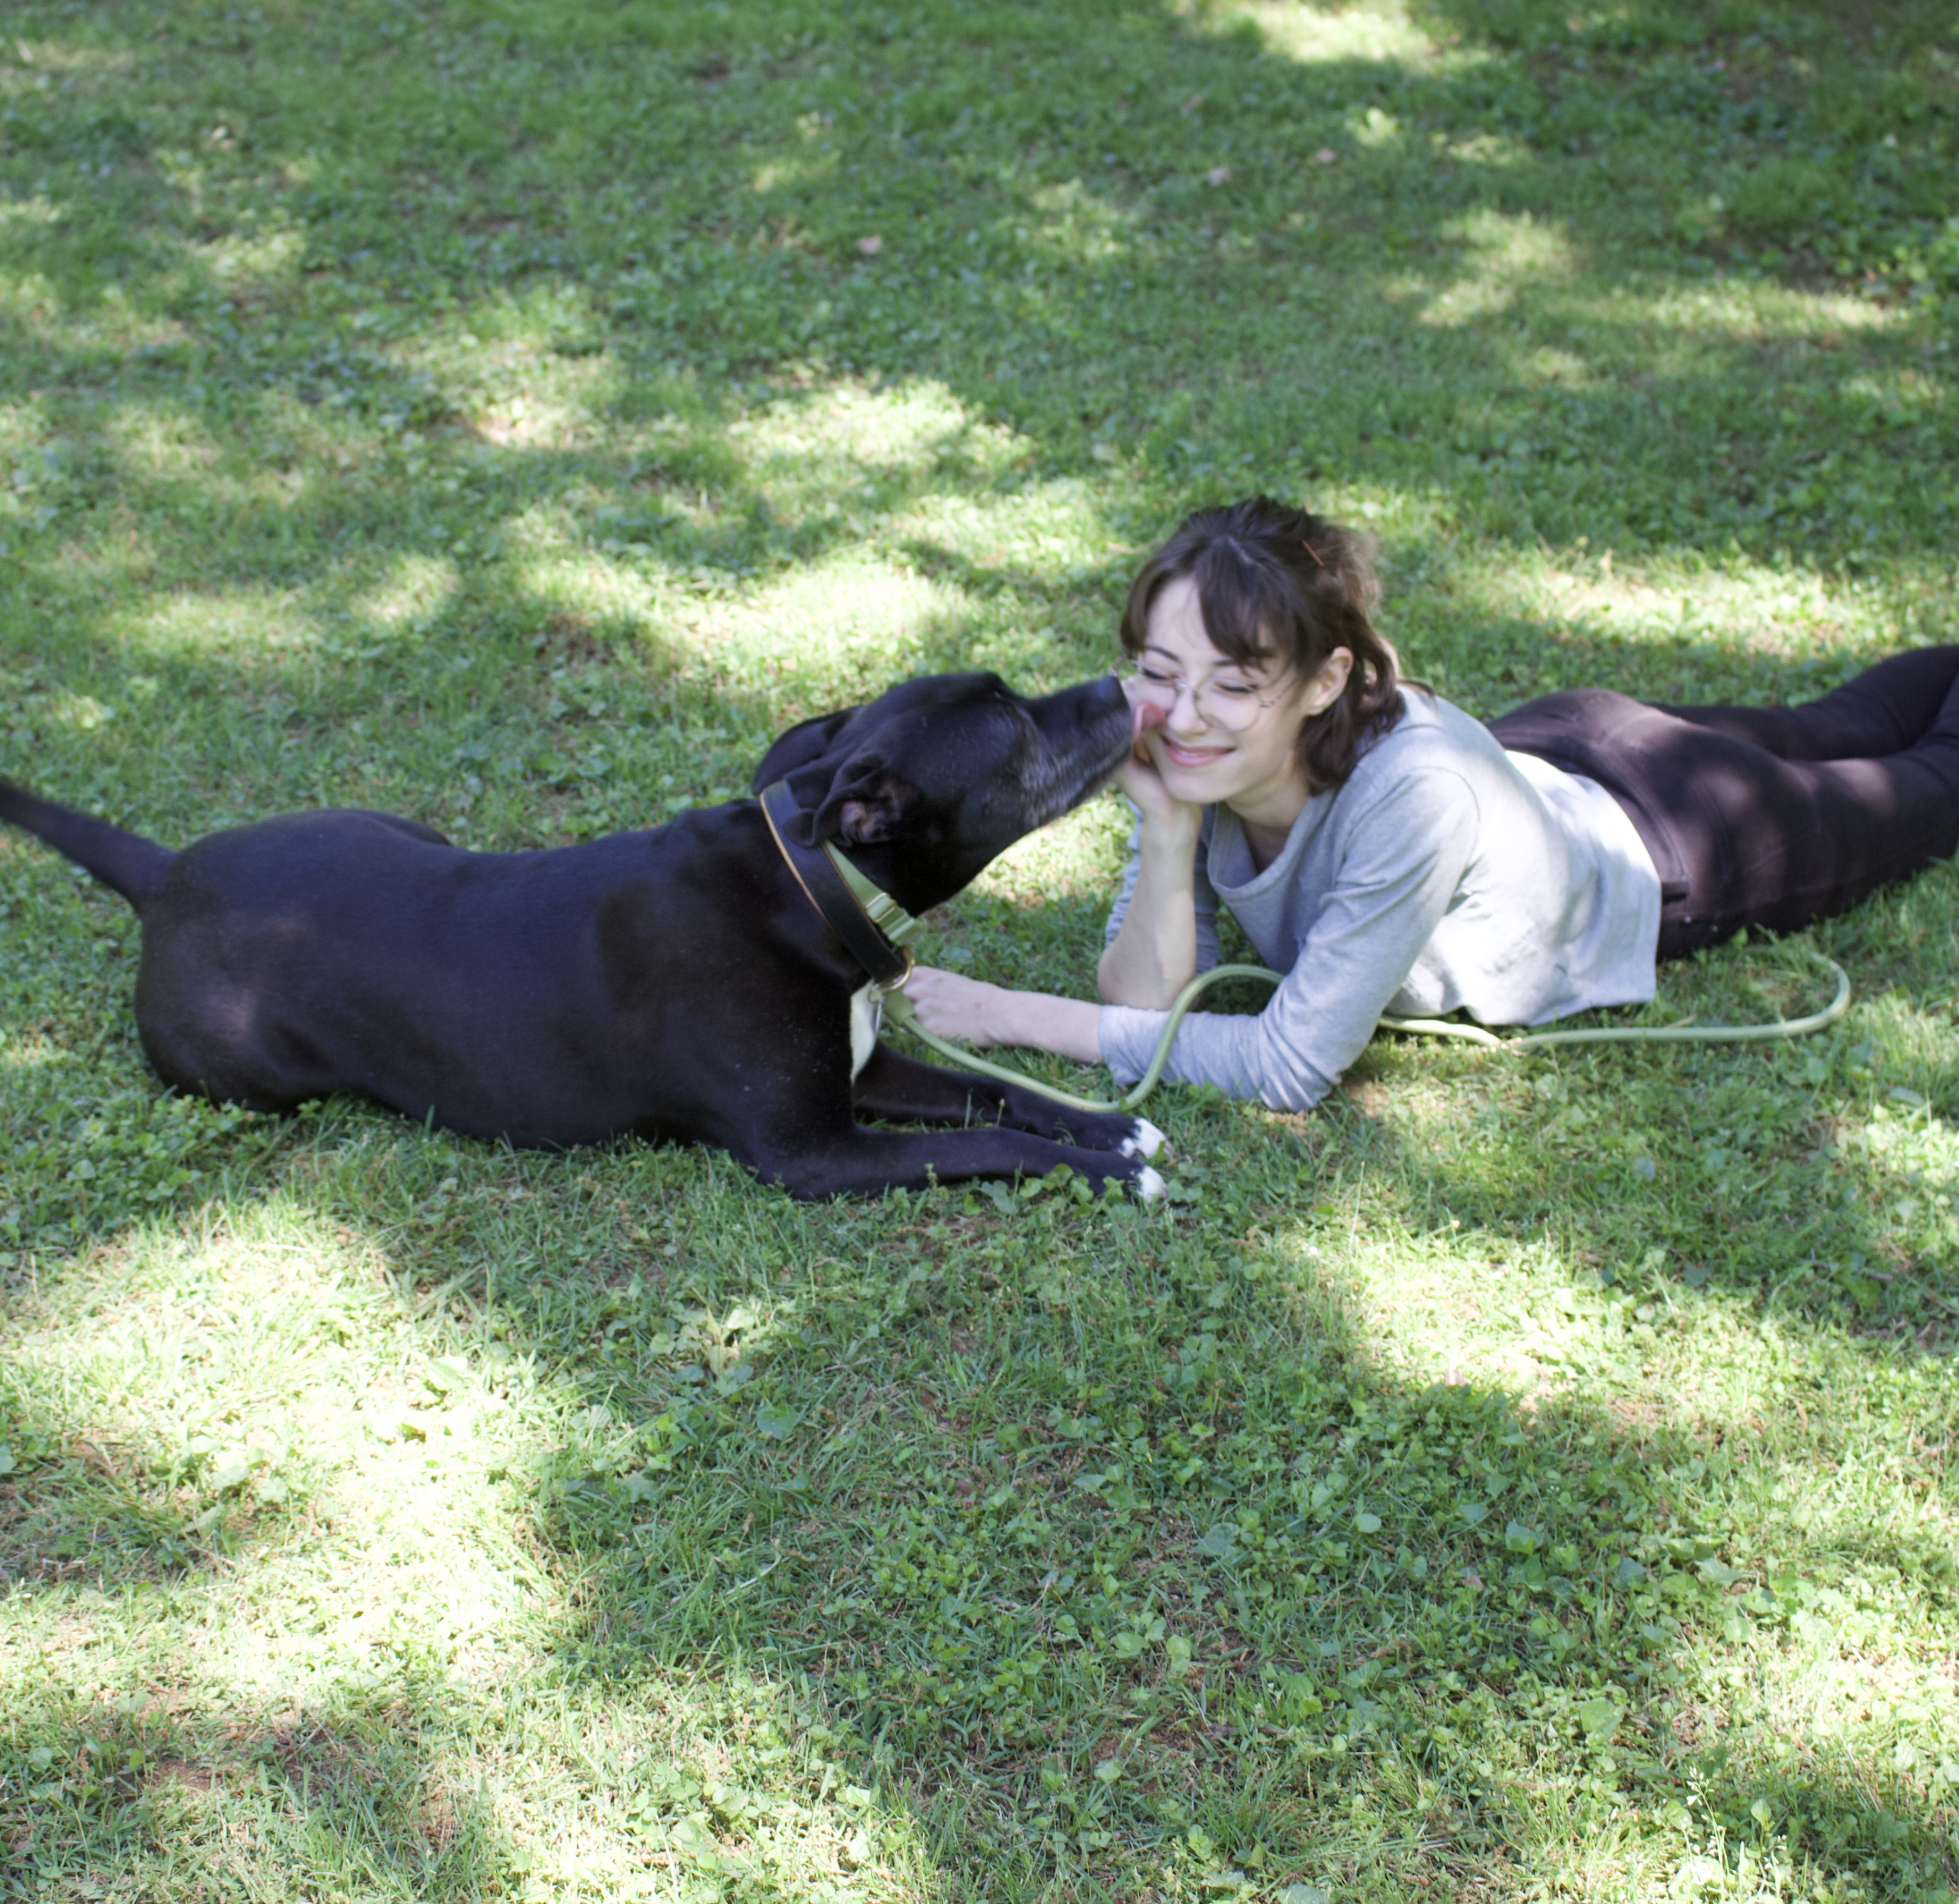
1445 873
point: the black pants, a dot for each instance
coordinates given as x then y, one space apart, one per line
1769 816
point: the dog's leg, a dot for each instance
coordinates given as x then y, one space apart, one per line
891 1085
861 1162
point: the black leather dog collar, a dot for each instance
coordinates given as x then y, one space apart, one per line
868 926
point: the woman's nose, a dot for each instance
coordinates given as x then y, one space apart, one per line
1183 697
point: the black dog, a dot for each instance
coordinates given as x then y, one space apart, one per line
678 982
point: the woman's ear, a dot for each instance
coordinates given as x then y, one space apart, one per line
1330 683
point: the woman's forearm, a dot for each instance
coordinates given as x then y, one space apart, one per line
1153 956
1069 1027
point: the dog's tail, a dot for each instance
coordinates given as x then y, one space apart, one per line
125 862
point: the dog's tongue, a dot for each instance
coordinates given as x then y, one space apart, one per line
1143 716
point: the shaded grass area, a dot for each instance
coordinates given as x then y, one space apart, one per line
1513 1480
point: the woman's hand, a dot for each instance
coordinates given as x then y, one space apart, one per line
967 1009
1168 822
980 1013
1155 953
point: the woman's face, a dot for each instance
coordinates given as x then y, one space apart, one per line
1229 728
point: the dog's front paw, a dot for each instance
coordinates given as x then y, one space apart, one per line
1144 1141
1147 1185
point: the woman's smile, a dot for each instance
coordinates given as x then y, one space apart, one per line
1194 759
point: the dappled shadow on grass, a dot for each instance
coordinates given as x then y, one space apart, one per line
1751 1170
1386 213
1453 318
583 711
963 1470
74 1513
86 1501
814 1486
355 1800
957 1472
1476 1614
1060 1379
317 381
1800 193
802 1420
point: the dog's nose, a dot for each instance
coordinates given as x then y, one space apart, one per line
1082 713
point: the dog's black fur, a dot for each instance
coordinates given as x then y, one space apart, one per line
675 982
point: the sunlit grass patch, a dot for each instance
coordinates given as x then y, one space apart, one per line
830 629
416 590
800 171
27 213
1050 528
369 1655
1506 253
165 442
253 266
1314 33
1073 858
844 431
1764 311
364 1453
1077 225
1674 631
247 624
825 633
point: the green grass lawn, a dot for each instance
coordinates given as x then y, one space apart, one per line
1523 1478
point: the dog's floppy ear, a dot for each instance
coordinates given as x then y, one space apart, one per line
866 803
806 741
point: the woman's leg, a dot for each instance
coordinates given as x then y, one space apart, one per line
1739 836
1886 709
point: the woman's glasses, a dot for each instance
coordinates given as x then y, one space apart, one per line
1229 705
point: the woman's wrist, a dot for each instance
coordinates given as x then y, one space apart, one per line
1171 832
1148 972
1069 1027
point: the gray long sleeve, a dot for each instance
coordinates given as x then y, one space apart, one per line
1445 873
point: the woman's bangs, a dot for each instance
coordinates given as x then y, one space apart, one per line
1243 605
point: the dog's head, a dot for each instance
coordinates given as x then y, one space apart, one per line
933 779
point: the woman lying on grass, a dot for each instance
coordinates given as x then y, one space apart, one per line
1390 854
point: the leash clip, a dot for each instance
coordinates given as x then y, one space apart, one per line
881 987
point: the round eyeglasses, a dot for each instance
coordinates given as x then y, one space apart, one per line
1231 706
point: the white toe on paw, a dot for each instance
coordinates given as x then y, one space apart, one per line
1149 1186
1144 1141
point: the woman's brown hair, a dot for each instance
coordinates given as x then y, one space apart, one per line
1275 581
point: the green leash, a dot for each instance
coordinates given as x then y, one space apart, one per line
865 908
902 1013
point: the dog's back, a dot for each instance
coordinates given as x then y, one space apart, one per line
346 950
